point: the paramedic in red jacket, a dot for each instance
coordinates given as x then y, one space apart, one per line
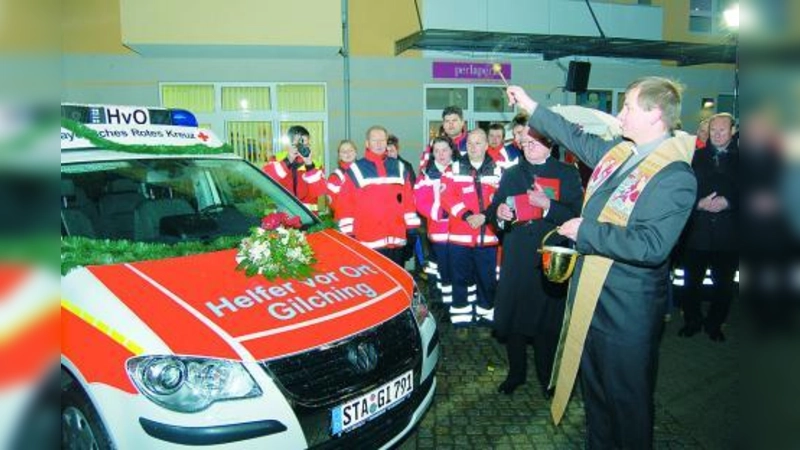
347 154
428 199
468 191
376 202
297 172
497 150
452 127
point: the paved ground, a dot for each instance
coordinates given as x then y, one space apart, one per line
695 397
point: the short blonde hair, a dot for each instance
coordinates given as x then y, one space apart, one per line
661 93
724 115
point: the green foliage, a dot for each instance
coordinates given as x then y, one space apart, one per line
325 222
81 251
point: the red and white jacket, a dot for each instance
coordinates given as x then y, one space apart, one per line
376 202
428 199
304 182
335 181
501 157
469 191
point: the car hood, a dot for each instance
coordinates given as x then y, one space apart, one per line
202 305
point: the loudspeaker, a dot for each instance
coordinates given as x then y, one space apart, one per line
578 76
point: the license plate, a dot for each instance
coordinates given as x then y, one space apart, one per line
355 412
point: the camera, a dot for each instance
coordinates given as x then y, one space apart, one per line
303 149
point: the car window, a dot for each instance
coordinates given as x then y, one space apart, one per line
169 199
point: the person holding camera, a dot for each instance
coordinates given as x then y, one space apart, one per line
297 172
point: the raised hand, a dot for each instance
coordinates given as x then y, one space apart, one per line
517 96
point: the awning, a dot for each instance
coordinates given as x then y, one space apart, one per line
558 46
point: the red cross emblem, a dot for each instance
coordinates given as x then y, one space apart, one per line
202 136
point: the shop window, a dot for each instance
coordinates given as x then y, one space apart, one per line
250 140
301 98
253 117
441 98
197 98
246 98
491 99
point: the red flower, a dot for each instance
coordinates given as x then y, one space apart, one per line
293 222
273 221
278 219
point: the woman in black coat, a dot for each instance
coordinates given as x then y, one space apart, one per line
528 307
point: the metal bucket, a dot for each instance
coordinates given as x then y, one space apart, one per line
558 263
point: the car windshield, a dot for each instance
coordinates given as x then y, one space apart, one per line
169 199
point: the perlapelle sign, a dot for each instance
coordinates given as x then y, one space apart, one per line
470 71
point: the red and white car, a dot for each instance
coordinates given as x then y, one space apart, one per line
182 351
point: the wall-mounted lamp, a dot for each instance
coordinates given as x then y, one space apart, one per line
731 16
708 103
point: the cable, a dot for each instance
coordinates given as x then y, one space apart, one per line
419 18
550 93
589 5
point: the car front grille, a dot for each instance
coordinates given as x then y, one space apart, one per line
320 379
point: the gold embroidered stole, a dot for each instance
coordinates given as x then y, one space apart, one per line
617 211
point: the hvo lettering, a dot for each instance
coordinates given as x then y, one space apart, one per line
127 116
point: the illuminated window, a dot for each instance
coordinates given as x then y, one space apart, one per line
246 98
253 117
197 98
706 16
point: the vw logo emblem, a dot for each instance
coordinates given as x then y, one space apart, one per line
363 357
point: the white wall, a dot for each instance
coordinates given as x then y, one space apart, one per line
568 17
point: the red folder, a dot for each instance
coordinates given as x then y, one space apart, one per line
524 211
551 186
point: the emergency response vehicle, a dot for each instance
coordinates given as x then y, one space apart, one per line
166 345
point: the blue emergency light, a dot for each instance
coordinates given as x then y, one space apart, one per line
183 118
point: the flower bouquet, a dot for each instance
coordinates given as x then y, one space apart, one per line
276 249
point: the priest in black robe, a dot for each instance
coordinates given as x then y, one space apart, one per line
535 196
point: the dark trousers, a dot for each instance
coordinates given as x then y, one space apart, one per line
395 254
411 242
441 254
544 352
617 382
474 265
441 283
723 267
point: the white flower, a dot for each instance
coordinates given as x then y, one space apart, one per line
259 250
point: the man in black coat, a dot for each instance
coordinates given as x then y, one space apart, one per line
710 240
528 307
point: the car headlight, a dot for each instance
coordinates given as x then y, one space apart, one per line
419 306
190 384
